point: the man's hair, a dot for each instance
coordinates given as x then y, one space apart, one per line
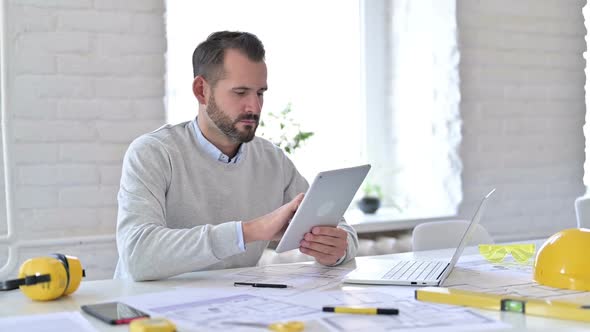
208 56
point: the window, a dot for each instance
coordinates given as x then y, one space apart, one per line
376 81
313 57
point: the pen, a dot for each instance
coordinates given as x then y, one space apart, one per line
365 311
260 285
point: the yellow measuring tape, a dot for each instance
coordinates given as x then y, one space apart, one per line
152 325
535 307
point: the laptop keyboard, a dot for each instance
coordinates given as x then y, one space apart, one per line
415 270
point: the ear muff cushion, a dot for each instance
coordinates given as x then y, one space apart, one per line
64 260
44 291
75 274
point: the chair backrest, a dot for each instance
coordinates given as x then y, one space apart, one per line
446 234
582 205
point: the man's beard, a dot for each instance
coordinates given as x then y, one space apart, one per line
229 127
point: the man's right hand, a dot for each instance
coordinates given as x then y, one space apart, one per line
273 225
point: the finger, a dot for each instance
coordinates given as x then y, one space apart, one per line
329 231
297 200
321 257
327 240
330 250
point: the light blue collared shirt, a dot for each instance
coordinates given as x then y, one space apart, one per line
216 154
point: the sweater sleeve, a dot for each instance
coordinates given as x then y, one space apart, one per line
296 184
148 249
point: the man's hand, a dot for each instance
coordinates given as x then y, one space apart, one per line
326 244
271 226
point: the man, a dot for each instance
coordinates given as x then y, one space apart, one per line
208 194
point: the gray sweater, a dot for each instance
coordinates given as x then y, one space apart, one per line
178 207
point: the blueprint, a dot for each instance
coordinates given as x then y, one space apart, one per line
215 309
474 273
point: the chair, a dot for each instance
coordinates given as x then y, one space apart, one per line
446 234
582 205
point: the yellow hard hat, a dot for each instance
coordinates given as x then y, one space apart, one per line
562 263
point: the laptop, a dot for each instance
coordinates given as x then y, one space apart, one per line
324 203
416 273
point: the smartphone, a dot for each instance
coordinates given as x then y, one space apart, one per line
114 313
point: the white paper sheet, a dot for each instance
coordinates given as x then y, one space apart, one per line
299 278
56 322
413 315
212 310
474 273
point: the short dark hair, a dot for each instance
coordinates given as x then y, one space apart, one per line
208 56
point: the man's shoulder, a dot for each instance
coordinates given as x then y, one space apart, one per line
168 134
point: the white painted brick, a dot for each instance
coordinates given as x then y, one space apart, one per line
125 132
53 131
111 44
569 91
88 196
148 24
51 42
94 21
90 152
528 8
110 174
35 197
525 126
523 23
37 175
517 58
116 109
25 107
150 109
53 86
572 61
65 176
481 92
35 64
129 87
108 220
56 220
30 19
35 153
78 109
137 65
54 3
132 5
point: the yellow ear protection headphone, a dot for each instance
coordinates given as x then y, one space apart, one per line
47 278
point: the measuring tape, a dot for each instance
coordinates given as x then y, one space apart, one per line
152 325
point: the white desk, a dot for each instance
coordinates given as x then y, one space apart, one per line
15 303
386 219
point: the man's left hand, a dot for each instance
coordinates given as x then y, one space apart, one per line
326 244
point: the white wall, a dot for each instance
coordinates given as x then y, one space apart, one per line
85 77
522 87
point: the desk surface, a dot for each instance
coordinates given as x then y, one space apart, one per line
15 303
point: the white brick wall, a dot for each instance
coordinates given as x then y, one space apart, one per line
522 86
85 77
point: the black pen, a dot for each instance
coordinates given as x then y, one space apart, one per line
256 284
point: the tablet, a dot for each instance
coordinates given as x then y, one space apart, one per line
324 203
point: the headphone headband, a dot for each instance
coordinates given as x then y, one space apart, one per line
47 278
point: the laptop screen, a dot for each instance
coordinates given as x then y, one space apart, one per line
467 234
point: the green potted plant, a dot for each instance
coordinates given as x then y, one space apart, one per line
281 129
371 200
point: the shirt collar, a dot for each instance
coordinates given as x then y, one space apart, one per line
212 150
